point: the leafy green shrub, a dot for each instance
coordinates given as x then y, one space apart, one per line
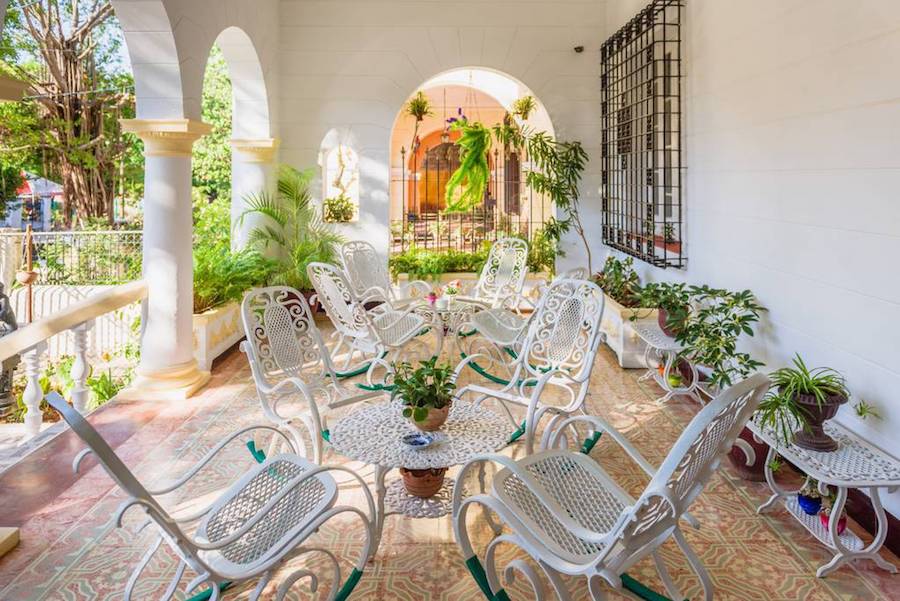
425 264
619 281
223 276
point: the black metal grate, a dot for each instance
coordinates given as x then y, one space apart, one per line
642 181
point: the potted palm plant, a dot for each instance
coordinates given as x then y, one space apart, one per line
803 398
290 229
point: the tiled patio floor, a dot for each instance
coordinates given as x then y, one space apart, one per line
71 550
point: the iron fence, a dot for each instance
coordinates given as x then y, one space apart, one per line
509 208
83 257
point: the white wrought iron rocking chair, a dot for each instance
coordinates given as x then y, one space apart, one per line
288 358
558 350
572 518
250 530
372 335
370 280
505 328
502 277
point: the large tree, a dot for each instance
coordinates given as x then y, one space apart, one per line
68 54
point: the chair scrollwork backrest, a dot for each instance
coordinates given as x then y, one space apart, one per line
281 333
346 312
504 271
364 268
692 461
565 331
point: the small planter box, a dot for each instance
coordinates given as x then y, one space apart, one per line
620 337
215 331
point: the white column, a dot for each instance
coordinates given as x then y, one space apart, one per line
168 369
252 170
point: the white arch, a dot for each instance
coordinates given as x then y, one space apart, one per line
150 42
250 115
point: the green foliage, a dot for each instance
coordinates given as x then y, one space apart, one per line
221 277
674 299
864 410
710 333
293 228
466 186
211 159
338 209
220 274
429 264
430 386
419 106
542 252
619 281
523 107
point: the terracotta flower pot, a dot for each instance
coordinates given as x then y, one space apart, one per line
813 437
662 317
423 483
434 421
26 277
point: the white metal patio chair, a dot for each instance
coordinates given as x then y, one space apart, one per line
372 335
288 358
571 517
504 328
247 532
368 275
502 277
558 350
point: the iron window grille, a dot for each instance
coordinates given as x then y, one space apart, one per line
642 179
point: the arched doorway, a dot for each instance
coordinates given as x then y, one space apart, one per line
424 155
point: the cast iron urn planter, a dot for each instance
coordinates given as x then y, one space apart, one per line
813 436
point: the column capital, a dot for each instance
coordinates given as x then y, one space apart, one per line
260 150
166 137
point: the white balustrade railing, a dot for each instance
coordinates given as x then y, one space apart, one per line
31 343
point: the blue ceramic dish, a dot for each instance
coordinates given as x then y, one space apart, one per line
418 440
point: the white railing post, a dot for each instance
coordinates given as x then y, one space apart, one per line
80 368
33 394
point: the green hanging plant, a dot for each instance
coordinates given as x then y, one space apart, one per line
465 188
523 107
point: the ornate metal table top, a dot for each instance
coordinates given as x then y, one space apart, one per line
856 462
652 334
372 434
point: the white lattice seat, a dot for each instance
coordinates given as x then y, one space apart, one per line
282 524
581 487
397 328
368 275
499 325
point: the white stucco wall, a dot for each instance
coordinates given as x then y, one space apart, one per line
793 167
347 66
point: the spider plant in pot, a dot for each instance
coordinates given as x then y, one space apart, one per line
806 398
809 498
425 392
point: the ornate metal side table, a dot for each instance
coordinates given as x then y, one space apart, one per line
856 464
452 317
372 434
663 350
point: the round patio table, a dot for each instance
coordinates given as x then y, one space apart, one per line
372 434
452 317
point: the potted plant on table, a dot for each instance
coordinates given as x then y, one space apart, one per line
809 498
804 398
426 394
825 514
673 302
